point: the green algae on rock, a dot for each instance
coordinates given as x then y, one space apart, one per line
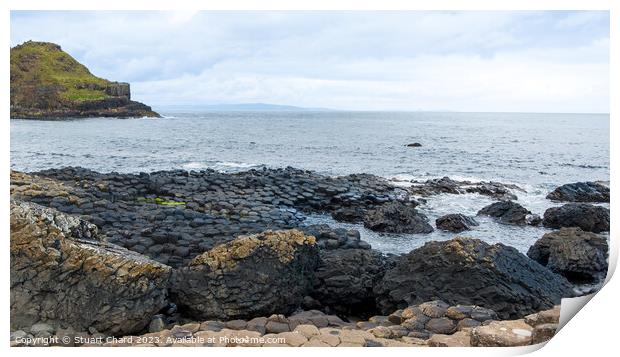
47 83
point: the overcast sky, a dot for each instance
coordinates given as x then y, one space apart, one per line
458 61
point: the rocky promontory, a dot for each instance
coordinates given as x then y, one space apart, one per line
47 83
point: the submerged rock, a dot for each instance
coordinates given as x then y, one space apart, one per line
509 212
581 192
64 274
251 276
455 222
579 256
397 217
472 272
588 217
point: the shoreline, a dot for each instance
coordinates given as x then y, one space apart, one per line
179 220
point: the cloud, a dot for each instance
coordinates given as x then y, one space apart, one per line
472 61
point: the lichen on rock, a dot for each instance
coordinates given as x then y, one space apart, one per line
282 243
63 273
251 276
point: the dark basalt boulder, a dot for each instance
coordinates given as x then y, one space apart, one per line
414 145
455 222
330 238
397 217
64 274
256 275
579 256
436 186
580 192
496 190
345 279
349 214
471 272
588 217
509 212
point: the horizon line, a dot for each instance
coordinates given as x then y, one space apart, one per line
324 109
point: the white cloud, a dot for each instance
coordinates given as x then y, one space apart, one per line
474 61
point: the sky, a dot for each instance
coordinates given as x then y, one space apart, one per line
509 61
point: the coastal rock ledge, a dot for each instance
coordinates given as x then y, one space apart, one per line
63 274
47 83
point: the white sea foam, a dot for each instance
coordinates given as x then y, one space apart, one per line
194 165
239 165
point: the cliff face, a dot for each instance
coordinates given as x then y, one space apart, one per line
46 82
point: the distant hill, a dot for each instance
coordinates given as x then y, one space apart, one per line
243 107
46 82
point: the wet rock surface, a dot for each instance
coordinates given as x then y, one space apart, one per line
579 256
588 217
63 273
455 222
496 190
397 218
581 192
173 216
250 276
469 271
509 212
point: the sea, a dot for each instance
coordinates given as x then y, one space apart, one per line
537 152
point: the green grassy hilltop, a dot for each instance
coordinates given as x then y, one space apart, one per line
47 82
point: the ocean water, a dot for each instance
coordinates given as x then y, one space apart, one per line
538 152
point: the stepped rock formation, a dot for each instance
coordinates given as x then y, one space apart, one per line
63 274
46 82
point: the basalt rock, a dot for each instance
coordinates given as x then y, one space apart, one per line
397 217
330 238
509 212
62 272
345 280
349 214
581 192
250 276
579 256
173 216
455 222
588 217
471 272
436 186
